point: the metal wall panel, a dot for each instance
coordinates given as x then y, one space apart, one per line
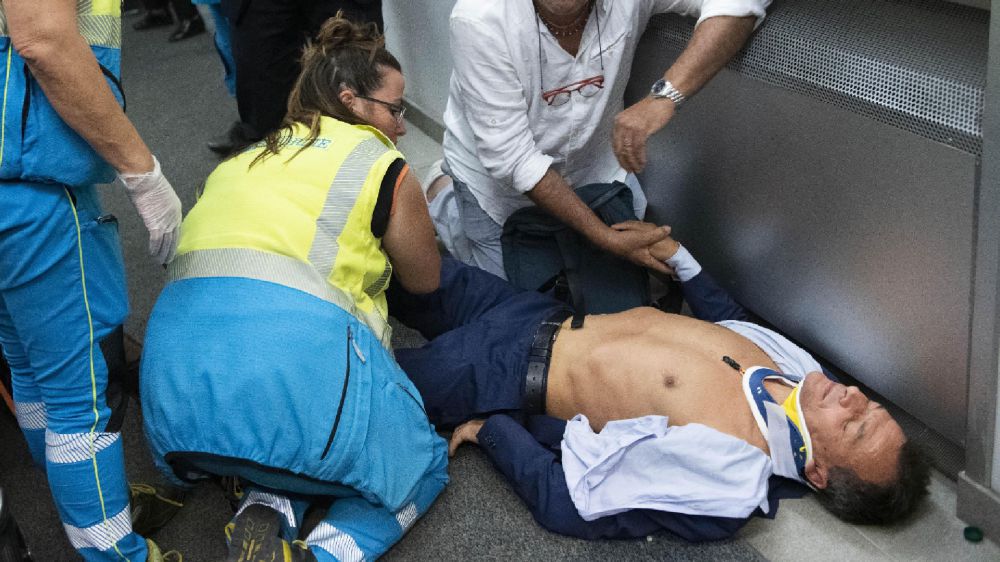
417 34
836 219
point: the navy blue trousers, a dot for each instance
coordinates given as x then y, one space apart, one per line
481 329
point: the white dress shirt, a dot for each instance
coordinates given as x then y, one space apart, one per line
501 136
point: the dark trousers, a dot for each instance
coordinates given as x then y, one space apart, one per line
184 9
268 37
480 329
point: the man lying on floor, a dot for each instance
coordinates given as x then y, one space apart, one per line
674 422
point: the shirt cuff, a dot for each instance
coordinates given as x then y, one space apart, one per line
734 8
684 265
527 174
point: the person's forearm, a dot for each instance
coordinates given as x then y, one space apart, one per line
713 43
555 196
44 33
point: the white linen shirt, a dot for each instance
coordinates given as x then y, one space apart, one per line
501 136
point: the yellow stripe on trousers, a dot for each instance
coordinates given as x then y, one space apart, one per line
93 375
3 118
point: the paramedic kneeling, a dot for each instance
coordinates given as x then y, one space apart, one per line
267 354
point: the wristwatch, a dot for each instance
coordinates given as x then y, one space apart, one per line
664 89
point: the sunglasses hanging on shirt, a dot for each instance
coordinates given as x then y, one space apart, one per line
587 87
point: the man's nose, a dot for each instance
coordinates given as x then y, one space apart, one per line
854 399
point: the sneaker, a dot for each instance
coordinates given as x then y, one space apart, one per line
153 19
301 552
236 137
154 554
187 28
152 507
232 488
255 536
435 181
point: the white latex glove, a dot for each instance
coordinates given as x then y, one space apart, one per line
160 209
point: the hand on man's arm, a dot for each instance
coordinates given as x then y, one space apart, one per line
663 249
713 43
554 195
707 299
45 34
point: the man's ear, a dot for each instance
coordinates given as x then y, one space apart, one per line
816 474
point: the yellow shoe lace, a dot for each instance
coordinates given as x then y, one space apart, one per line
155 555
138 489
142 489
233 486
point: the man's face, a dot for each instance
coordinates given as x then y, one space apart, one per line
562 7
848 430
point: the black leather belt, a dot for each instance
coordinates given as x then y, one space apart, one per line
537 375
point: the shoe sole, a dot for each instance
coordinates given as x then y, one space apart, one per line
256 536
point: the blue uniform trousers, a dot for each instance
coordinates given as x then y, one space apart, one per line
355 529
248 378
62 292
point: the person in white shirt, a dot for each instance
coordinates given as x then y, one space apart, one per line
535 108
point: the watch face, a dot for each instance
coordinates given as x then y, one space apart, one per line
658 86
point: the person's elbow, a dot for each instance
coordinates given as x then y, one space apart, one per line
423 284
38 45
426 280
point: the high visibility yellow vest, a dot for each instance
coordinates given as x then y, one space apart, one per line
302 222
99 21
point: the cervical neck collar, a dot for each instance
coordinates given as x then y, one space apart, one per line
783 425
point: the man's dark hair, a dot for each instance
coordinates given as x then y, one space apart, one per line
856 501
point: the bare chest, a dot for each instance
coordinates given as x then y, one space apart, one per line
679 374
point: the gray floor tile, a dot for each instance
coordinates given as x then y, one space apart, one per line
803 530
935 533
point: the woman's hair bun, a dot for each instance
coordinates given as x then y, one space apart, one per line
338 32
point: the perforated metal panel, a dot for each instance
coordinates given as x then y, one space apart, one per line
919 65
828 180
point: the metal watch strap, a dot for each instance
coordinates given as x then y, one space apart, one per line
662 88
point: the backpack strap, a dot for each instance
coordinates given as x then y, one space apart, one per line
569 247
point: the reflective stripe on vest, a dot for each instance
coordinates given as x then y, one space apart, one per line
272 268
99 21
340 200
312 205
